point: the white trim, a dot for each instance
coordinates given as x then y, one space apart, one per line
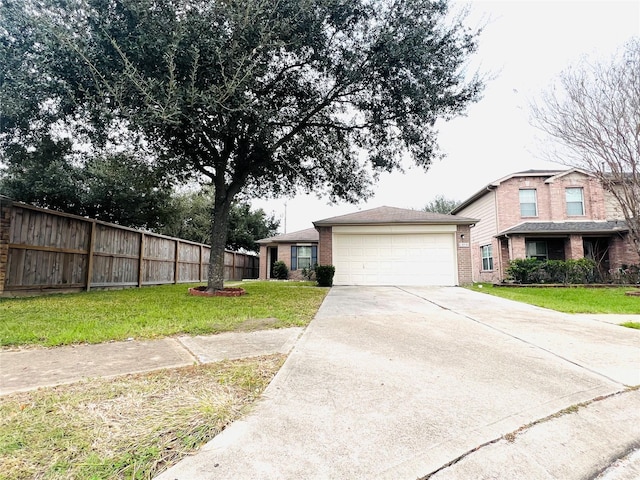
393 229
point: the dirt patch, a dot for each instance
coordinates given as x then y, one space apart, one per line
253 324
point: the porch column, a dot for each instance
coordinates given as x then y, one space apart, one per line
518 247
574 248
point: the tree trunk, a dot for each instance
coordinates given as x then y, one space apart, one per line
219 225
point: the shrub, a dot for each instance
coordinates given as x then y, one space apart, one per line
308 273
524 270
530 270
626 274
324 275
280 270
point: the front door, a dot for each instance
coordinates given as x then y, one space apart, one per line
273 258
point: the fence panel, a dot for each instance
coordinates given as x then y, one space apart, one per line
46 251
43 250
116 256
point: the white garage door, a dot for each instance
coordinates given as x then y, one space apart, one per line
395 259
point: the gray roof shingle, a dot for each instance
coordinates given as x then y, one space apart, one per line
610 226
391 215
308 235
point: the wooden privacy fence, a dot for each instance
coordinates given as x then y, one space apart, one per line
43 250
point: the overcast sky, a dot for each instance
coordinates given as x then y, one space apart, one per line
525 45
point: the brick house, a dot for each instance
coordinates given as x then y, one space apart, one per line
546 214
297 250
380 246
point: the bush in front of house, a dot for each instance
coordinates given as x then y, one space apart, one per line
625 275
531 270
324 275
280 270
309 273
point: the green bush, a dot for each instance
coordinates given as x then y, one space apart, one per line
280 270
324 275
531 270
524 270
309 273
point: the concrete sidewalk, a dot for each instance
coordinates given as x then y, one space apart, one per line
30 368
392 383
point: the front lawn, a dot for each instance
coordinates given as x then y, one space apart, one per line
132 427
152 312
569 300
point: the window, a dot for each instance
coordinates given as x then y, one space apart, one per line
575 201
528 207
303 256
537 249
487 257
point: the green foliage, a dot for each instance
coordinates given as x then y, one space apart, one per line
280 270
324 275
531 270
523 270
626 274
309 273
191 220
441 204
255 97
117 188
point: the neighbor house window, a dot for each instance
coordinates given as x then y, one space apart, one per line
528 207
487 257
303 256
575 201
537 249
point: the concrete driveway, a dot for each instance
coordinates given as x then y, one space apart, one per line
405 383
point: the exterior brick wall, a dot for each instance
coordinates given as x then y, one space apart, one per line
465 266
480 275
5 227
264 268
574 248
621 252
325 245
551 199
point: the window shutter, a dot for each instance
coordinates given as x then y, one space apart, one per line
314 256
294 257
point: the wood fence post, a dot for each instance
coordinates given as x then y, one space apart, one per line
5 228
141 260
200 264
92 242
176 267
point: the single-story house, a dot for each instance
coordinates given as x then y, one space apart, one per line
380 246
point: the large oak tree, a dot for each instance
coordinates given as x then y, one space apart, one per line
255 97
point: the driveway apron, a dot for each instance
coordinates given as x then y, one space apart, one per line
396 383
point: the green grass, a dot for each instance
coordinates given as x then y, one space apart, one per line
131 427
152 312
569 300
635 325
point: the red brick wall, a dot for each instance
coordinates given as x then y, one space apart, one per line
325 246
465 266
551 199
574 248
621 252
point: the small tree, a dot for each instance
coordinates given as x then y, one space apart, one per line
594 114
441 204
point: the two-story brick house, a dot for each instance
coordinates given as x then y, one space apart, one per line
554 215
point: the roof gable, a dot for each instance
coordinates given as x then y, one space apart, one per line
308 235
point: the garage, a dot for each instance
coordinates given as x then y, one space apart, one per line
393 246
